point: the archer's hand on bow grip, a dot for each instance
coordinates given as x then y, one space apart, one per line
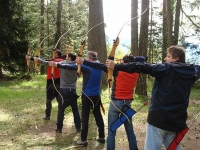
111 57
80 53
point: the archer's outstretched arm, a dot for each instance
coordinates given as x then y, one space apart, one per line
96 65
36 59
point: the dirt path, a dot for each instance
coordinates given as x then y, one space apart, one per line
190 142
41 134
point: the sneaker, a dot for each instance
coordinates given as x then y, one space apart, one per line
58 130
80 142
100 140
46 118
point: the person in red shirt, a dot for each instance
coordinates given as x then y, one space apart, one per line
52 86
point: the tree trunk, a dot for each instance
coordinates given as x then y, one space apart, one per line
150 53
58 23
169 22
177 22
96 36
164 47
42 32
141 88
134 28
1 73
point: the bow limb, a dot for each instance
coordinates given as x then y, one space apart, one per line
28 61
52 69
111 57
60 38
54 52
80 53
53 58
37 54
132 19
83 43
45 38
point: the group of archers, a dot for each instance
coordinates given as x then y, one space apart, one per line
167 112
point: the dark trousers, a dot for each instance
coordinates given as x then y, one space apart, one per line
86 105
51 93
61 110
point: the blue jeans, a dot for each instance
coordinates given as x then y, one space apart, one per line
74 106
155 137
113 114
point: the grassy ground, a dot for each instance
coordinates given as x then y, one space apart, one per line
22 127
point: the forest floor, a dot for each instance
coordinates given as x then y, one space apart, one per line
42 136
191 141
22 127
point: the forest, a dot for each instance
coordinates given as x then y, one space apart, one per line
35 27
39 27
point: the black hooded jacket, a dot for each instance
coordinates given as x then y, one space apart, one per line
170 93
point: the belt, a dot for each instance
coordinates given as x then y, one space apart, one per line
123 100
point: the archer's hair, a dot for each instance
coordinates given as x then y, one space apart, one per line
128 58
59 53
92 55
177 52
72 56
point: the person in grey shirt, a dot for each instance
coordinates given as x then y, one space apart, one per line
67 92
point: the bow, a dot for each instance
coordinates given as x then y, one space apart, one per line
39 49
52 69
83 43
114 46
111 57
28 61
110 72
45 38
54 52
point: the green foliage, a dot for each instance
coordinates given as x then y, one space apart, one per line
20 28
12 35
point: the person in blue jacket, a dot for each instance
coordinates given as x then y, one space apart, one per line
121 99
170 95
91 99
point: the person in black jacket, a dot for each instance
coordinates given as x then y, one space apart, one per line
170 95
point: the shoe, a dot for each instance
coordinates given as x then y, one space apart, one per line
46 118
100 140
58 130
80 142
78 130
